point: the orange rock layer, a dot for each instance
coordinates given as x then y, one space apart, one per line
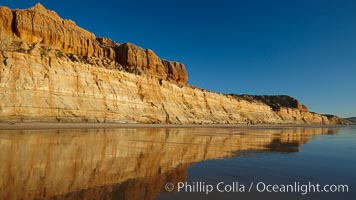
53 70
37 25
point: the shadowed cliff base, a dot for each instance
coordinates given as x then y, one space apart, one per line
54 71
86 125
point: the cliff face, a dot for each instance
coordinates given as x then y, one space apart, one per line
276 102
37 25
352 120
53 70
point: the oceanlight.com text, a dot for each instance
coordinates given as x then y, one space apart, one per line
236 187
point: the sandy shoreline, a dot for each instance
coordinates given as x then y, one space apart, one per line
53 125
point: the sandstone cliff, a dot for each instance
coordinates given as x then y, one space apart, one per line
53 70
351 120
276 102
37 25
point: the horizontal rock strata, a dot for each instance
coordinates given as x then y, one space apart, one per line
38 25
53 70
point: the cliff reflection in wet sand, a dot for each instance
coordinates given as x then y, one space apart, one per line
123 163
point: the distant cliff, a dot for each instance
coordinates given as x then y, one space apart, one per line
53 70
352 120
276 102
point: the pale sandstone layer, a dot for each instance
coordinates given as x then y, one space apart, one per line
53 70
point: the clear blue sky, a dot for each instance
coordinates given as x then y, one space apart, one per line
302 48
